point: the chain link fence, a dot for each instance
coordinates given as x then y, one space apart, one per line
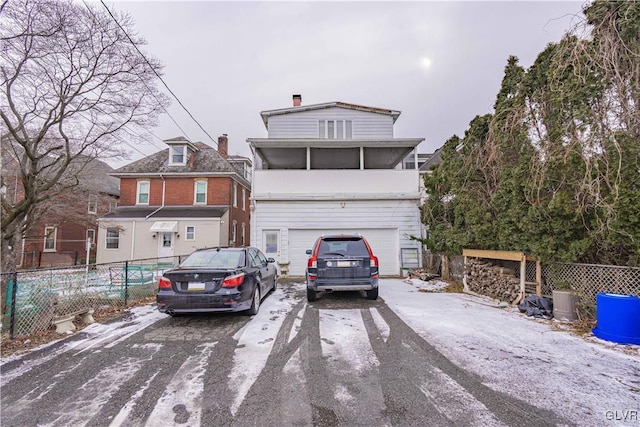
35 298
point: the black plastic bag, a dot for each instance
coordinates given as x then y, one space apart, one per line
539 307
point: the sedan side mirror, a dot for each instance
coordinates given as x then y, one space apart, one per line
271 260
308 252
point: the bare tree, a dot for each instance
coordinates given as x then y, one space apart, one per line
73 84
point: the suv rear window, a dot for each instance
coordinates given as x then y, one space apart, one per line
343 246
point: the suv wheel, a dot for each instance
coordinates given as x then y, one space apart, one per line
372 294
311 295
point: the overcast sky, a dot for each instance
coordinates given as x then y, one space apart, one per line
439 63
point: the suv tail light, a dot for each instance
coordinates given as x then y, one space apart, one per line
374 265
312 268
164 283
233 281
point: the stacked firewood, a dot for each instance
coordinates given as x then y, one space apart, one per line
497 282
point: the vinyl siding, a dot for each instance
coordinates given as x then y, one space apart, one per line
402 215
137 242
366 125
334 183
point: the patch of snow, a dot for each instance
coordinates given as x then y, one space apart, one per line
344 340
382 326
521 356
431 285
121 417
93 335
255 341
81 407
184 391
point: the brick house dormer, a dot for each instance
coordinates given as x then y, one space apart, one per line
186 197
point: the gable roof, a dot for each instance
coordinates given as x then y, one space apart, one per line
336 104
435 159
206 161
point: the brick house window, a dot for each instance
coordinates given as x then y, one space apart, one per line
235 195
190 232
234 230
335 129
91 235
244 199
113 238
50 239
242 236
200 189
142 197
93 204
178 155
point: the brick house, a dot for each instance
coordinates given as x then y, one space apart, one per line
65 223
186 197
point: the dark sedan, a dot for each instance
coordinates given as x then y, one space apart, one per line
220 279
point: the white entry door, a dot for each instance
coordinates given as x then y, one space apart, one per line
165 244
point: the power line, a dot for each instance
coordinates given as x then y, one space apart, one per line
158 75
141 79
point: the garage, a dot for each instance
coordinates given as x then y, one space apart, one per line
383 242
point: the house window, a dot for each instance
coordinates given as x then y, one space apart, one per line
200 197
50 239
93 204
178 155
235 195
234 230
244 199
112 205
91 235
242 236
190 233
335 129
113 238
143 193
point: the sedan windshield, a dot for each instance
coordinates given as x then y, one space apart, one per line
215 259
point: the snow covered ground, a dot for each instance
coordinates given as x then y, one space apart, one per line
582 378
530 359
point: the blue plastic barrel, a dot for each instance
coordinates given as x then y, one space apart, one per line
618 318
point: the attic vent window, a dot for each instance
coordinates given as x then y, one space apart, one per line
335 129
178 155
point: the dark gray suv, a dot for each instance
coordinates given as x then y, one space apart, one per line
341 263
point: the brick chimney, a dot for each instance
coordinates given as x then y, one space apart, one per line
297 100
223 145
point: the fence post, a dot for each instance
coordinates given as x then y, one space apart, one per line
13 288
126 282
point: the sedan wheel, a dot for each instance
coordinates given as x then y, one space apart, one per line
255 305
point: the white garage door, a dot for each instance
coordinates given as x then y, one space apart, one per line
383 242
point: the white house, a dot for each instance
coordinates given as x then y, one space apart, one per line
334 168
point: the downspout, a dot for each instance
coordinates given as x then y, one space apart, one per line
133 240
252 203
164 183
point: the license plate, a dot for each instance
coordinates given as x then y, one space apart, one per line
344 263
196 286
